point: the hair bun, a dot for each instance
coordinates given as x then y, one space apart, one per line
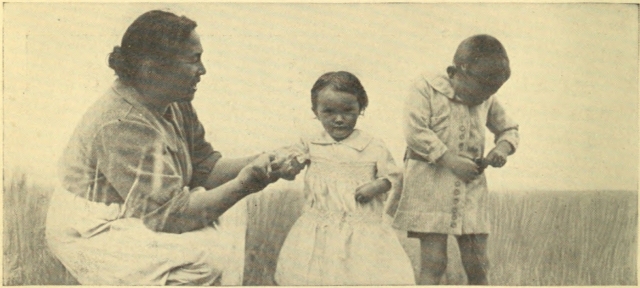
116 59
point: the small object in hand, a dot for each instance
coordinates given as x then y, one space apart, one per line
481 165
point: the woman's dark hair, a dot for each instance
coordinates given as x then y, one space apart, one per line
340 81
155 35
483 46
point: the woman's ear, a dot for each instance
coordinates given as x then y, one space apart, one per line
146 69
314 112
451 70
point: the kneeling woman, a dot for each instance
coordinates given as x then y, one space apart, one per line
141 187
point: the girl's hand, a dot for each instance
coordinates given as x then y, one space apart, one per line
466 169
497 157
365 193
287 167
256 176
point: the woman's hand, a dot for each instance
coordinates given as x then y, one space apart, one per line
286 166
366 192
466 169
257 175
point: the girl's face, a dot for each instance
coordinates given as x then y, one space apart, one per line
338 112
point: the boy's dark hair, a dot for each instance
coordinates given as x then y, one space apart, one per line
156 35
483 46
340 81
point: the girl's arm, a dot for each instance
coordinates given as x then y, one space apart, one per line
388 175
291 160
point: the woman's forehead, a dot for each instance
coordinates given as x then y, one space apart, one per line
192 45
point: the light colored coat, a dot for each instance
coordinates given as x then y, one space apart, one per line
433 199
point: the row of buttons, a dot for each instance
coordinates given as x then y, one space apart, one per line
454 210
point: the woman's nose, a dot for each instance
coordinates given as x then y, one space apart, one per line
339 119
201 69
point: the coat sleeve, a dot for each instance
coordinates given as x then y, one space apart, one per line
417 116
502 126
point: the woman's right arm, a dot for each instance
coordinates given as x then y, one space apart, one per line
251 178
135 161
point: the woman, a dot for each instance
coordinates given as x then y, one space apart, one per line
140 185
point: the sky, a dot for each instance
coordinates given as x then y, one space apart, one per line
573 88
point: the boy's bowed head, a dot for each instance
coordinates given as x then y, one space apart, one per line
480 67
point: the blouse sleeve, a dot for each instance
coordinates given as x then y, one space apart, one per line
386 167
417 116
503 127
203 156
138 164
299 151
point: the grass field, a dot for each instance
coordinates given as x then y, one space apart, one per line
541 238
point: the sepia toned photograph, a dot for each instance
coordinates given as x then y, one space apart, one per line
320 144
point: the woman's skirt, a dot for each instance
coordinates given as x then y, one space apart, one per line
100 248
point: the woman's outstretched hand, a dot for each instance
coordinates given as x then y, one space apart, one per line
257 175
286 166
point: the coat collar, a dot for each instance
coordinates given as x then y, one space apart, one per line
358 139
442 84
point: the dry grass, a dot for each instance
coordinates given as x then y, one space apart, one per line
542 238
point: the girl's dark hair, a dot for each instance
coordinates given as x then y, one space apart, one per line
483 46
154 35
340 81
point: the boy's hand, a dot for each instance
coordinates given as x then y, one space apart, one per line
366 192
497 157
466 169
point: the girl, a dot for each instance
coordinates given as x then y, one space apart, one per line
340 238
444 190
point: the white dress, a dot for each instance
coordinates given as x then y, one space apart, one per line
337 241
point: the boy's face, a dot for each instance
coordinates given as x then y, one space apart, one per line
476 83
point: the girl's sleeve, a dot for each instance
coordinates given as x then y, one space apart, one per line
417 116
503 127
387 169
299 152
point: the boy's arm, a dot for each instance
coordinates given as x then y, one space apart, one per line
504 128
417 115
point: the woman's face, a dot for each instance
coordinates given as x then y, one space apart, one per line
177 80
338 112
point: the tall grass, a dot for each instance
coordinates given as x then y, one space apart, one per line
541 238
26 257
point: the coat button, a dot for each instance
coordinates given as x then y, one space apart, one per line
454 210
454 217
461 146
455 200
461 128
453 225
461 136
458 183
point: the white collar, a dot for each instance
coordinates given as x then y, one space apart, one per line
358 139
